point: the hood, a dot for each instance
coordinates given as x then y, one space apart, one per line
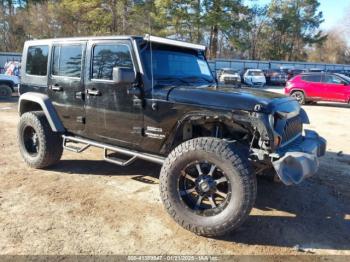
230 75
14 79
228 98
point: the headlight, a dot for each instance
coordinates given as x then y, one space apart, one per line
276 139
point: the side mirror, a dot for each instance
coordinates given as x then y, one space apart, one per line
123 75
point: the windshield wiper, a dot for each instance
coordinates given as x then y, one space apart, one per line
200 78
173 79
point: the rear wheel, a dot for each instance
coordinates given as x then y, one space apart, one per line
5 91
40 147
207 186
299 96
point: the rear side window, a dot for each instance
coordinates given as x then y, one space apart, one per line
67 60
105 57
37 60
312 78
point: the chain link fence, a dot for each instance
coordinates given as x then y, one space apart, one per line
241 65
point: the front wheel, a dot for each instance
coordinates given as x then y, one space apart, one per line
5 91
207 186
299 96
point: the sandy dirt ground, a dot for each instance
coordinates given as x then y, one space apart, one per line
86 206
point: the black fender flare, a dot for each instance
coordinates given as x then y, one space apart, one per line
46 105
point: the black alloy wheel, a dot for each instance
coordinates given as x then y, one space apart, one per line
31 140
204 188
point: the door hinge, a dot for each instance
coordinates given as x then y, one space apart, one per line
81 119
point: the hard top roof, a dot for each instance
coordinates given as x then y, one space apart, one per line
153 39
82 38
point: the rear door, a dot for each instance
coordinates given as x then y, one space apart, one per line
112 115
335 88
313 86
66 87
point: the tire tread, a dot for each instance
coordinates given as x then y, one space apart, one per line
225 151
51 147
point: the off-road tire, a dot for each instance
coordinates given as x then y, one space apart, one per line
229 158
5 91
50 143
299 96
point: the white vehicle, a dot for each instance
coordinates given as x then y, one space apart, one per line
8 85
254 77
229 76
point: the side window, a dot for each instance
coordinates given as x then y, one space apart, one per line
332 79
106 57
36 63
312 78
67 60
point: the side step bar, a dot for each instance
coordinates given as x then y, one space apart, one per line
133 154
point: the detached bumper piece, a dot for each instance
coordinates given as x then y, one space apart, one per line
300 160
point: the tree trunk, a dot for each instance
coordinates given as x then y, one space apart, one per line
124 16
214 42
198 22
114 24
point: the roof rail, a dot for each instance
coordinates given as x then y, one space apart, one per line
168 41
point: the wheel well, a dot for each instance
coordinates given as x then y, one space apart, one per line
8 83
221 128
298 90
29 106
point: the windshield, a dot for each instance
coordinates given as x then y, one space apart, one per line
170 62
255 73
232 72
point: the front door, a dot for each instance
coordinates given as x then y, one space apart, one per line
112 115
66 89
335 89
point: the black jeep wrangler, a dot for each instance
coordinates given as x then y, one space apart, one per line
156 99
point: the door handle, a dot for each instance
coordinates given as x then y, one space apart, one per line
56 87
93 92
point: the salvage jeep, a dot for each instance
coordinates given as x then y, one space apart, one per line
156 99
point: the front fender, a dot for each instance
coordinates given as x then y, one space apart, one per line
201 117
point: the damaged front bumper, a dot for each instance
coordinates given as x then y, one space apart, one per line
300 159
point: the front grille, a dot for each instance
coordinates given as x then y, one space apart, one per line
292 129
230 78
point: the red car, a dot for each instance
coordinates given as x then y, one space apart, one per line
312 87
